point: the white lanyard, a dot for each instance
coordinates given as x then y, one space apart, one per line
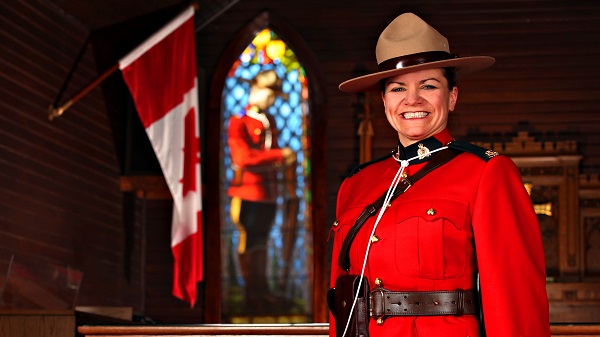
388 197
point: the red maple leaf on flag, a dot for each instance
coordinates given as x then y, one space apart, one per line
191 153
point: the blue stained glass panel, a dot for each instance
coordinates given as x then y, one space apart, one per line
288 268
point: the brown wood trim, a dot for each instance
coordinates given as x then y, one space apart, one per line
146 187
35 312
273 330
227 329
573 330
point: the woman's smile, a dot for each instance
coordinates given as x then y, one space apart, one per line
414 114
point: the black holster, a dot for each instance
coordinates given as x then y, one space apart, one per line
340 301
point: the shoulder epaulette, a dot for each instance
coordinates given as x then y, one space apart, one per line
481 152
363 165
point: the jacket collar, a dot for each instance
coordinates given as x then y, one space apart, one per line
421 149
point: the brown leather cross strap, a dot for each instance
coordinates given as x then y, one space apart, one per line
436 161
422 303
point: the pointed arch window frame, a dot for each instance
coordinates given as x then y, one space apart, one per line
211 160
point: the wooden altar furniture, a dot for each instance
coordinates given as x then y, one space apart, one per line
568 208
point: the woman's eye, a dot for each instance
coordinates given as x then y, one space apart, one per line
397 89
429 86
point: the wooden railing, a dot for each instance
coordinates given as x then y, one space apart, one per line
270 330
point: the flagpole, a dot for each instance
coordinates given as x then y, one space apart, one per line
71 72
56 111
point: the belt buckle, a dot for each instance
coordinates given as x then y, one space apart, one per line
460 302
374 311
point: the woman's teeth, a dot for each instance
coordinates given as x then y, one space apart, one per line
417 114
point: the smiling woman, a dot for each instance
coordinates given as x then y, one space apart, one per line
448 268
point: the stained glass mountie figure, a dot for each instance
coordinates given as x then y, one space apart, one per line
288 266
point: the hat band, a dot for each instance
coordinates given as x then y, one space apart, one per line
415 59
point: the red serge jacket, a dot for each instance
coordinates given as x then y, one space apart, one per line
255 173
482 221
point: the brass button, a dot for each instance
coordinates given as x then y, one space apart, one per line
388 205
378 282
374 238
404 175
336 223
431 211
257 132
380 321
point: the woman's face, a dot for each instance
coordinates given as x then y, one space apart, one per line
417 104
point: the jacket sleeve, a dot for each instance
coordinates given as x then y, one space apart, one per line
510 254
242 154
338 234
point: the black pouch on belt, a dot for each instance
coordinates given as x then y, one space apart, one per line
340 301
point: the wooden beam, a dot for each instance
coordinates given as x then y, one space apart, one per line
149 187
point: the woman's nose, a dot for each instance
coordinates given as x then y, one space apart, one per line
412 97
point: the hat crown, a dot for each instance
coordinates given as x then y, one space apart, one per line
409 44
406 35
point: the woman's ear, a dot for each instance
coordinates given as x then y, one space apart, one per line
453 98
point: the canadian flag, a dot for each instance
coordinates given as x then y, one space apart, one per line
161 75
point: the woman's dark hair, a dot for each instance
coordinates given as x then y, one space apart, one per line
449 73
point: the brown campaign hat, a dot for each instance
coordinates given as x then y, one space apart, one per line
409 44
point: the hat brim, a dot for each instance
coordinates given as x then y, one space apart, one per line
463 65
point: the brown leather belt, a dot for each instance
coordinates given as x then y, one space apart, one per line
422 303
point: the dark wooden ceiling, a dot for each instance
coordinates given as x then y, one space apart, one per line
99 14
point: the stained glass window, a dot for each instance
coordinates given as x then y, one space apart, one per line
266 279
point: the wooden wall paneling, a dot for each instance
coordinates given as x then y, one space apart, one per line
59 203
25 323
574 302
589 200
